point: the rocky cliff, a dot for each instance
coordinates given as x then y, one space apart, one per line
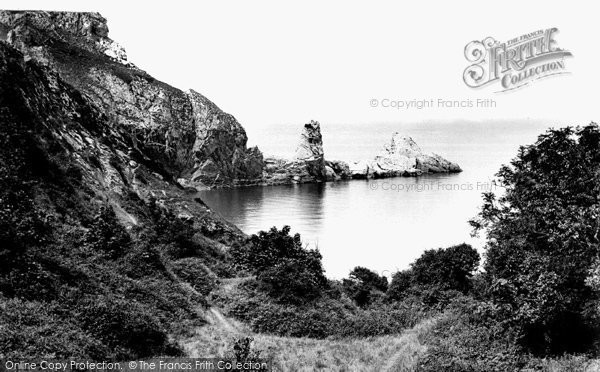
123 131
183 133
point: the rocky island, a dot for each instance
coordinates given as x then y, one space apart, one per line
402 157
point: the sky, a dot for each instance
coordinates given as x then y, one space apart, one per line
284 63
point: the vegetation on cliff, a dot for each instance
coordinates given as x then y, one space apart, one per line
78 279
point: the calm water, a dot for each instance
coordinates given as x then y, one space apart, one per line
380 224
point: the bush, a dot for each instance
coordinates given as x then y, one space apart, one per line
26 327
107 235
22 223
401 282
543 239
384 319
469 337
289 282
143 260
449 268
321 318
241 350
363 284
125 326
286 271
436 275
194 272
173 234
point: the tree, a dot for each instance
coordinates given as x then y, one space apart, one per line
449 268
285 270
543 237
401 282
361 284
436 271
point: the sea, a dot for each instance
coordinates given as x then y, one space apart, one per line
382 224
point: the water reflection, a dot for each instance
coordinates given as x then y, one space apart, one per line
381 224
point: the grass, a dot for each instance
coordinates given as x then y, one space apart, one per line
450 341
399 352
383 353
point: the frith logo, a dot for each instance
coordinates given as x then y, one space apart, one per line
515 63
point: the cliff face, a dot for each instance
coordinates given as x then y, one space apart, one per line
219 149
122 131
183 133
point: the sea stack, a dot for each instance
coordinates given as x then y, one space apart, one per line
309 152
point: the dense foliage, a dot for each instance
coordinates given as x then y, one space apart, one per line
364 285
449 269
74 281
285 270
543 240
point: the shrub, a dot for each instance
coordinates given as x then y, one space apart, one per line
361 285
194 272
401 282
175 235
449 268
143 260
107 235
124 325
469 337
290 282
436 275
286 271
241 350
321 318
383 319
542 238
26 327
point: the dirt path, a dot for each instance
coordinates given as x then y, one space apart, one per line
396 353
218 320
410 348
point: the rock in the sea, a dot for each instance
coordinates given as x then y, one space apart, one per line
308 164
309 153
338 170
402 157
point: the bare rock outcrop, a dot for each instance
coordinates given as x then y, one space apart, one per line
310 157
402 157
219 151
308 164
183 135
